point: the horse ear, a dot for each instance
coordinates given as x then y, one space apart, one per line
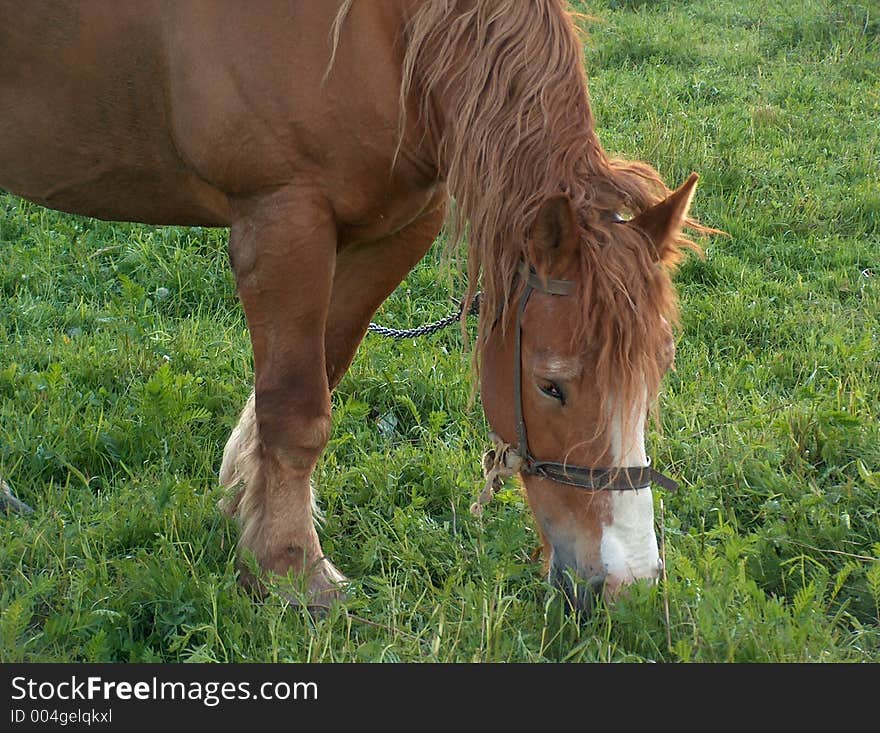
553 240
663 221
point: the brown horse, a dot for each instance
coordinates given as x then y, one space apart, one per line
333 139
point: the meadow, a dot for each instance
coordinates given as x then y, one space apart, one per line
125 360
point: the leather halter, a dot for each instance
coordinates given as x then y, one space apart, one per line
583 477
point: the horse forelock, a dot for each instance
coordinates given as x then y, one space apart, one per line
625 297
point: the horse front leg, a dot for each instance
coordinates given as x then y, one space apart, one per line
282 249
366 275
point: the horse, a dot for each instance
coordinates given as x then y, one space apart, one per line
335 139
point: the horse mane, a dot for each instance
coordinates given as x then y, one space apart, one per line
515 129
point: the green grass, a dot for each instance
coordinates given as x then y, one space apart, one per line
124 361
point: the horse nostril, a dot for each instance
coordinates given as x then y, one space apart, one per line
580 593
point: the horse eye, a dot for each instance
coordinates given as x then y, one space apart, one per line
551 389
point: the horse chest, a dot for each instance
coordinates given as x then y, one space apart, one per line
386 216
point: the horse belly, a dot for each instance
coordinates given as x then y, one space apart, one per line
150 197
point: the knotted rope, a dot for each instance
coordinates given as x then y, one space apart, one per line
499 463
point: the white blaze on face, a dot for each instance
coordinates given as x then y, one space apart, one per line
629 542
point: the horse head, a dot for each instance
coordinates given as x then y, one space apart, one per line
570 370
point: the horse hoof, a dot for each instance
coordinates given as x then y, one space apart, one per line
326 586
9 504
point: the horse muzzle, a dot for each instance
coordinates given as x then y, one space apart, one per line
582 586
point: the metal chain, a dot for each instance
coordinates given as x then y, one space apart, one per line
428 328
